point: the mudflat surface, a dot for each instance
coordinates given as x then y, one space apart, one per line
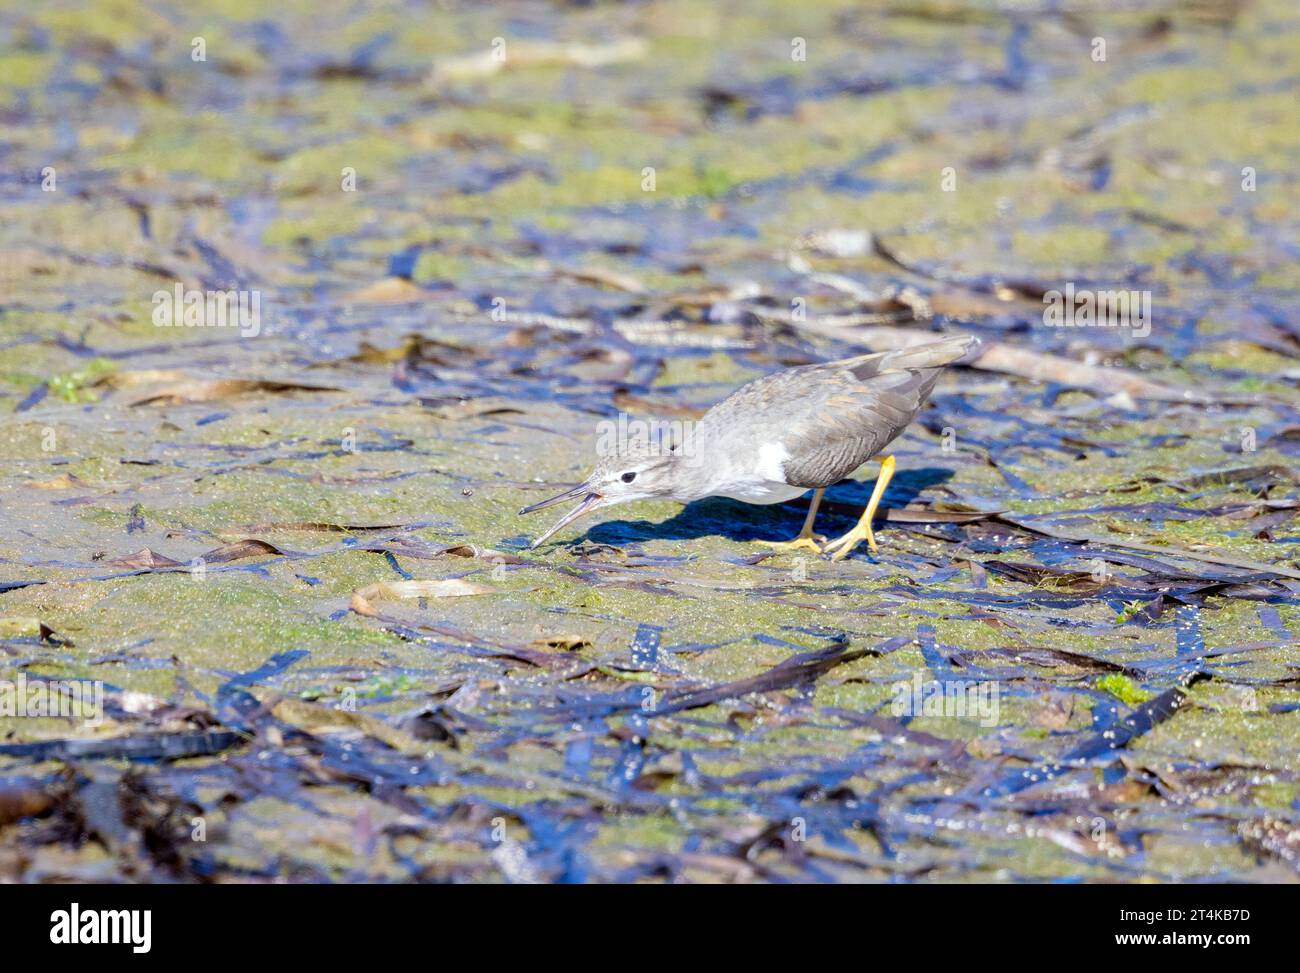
1091 540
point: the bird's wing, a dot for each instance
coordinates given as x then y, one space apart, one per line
833 417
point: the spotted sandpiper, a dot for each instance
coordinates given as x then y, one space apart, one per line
777 437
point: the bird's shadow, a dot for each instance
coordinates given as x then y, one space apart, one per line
736 521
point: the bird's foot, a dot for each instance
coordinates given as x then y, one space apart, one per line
840 547
804 542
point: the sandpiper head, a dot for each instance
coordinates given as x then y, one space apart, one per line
640 471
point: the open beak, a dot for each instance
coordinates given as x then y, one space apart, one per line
589 501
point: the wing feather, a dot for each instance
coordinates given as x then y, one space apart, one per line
833 416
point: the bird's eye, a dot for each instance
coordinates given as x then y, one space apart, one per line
628 477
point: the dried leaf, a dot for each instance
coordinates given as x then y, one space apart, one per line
64 481
197 390
238 550
316 525
390 290
605 278
362 598
145 559
525 54
22 802
570 643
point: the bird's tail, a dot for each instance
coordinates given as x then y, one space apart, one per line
932 354
925 354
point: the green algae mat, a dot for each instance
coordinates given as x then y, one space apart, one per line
301 303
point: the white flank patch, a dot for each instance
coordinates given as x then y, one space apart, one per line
770 458
761 482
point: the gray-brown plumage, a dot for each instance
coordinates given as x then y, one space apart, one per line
780 436
832 417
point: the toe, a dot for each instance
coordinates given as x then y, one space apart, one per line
798 544
843 546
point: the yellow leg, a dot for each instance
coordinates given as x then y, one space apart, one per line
862 532
806 539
